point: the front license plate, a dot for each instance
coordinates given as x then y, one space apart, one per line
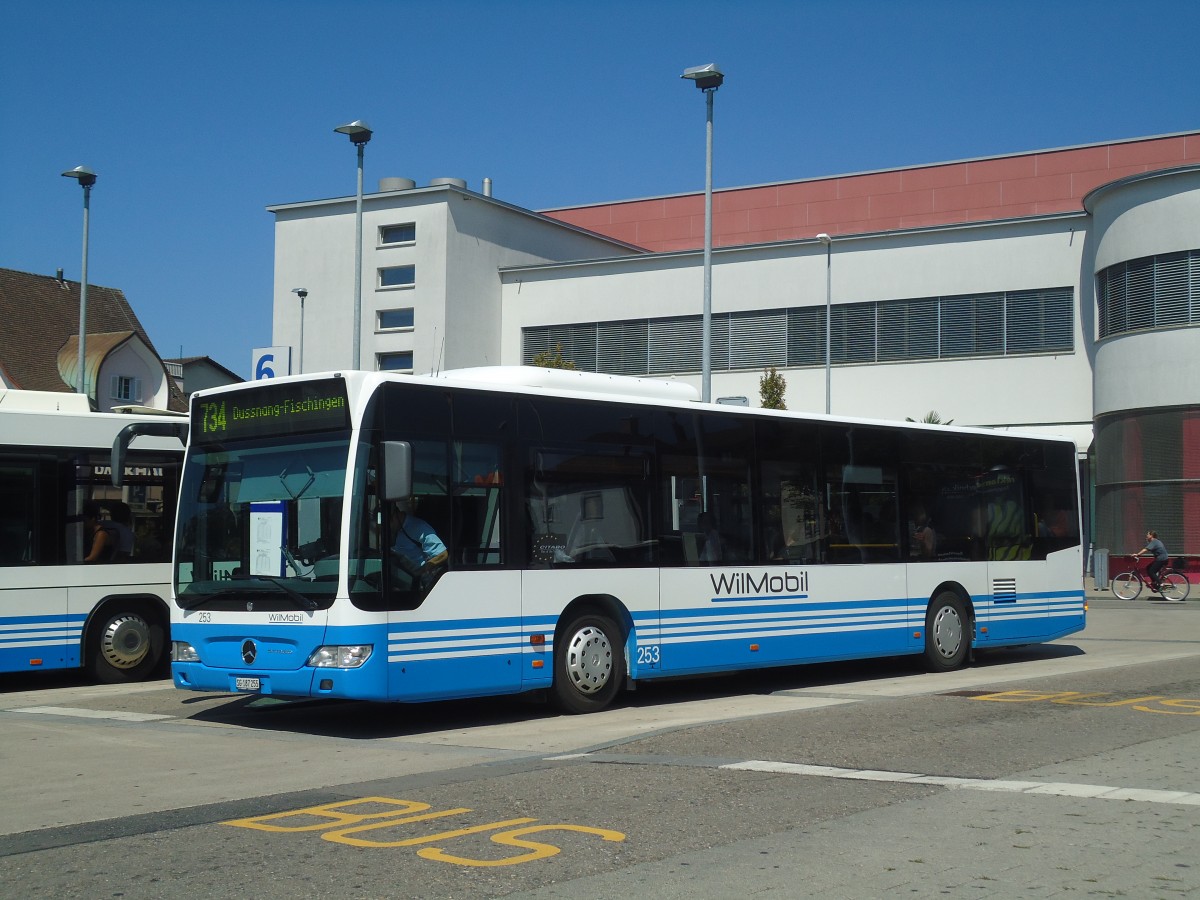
247 684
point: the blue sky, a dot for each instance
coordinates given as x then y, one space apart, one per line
197 115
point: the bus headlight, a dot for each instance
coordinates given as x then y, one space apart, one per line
182 651
331 657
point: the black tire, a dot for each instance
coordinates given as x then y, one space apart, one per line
125 643
589 664
947 633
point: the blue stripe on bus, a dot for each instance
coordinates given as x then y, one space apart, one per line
32 643
448 638
39 631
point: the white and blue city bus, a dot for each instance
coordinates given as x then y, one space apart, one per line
599 531
57 610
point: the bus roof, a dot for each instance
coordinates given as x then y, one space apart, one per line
573 384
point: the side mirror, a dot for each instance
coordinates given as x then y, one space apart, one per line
397 470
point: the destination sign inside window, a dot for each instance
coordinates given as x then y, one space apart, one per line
269 410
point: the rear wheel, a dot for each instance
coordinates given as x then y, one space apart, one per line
1173 586
589 664
1127 586
947 632
125 643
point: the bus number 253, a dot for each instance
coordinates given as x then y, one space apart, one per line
648 656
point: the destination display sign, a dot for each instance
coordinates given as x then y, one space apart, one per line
271 409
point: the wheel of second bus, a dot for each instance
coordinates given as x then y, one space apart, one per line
124 643
1127 586
589 664
947 632
1174 586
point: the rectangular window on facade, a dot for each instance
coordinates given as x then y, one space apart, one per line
398 234
398 276
1039 321
395 319
126 387
396 362
972 325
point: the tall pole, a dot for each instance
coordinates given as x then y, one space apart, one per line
706 340
359 133
707 78
828 242
80 378
828 323
86 178
358 222
300 367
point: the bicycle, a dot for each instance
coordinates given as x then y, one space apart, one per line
1172 585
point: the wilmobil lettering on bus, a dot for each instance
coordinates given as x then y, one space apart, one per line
743 583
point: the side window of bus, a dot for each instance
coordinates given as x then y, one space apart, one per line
431 487
19 513
476 494
707 503
136 517
1054 493
588 506
860 495
792 517
941 514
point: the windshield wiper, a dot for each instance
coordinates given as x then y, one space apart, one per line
301 601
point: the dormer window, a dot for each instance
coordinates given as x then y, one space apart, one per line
127 388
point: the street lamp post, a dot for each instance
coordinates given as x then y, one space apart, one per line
301 293
828 242
708 78
359 133
86 178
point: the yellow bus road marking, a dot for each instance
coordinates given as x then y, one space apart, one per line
343 822
114 715
1151 703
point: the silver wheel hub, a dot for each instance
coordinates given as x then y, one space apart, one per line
589 659
125 641
947 631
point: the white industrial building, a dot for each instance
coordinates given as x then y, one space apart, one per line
1057 291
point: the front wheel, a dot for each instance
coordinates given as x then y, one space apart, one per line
1127 586
1174 586
589 664
947 633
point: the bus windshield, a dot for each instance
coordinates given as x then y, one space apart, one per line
260 523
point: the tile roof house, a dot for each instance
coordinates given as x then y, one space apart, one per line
39 344
198 373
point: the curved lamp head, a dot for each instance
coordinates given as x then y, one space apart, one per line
358 131
708 77
84 175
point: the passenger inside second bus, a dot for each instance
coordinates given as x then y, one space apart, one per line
103 541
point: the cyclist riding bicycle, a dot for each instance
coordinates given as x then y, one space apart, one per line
1154 547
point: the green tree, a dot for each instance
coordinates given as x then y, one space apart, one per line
771 388
549 360
931 418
